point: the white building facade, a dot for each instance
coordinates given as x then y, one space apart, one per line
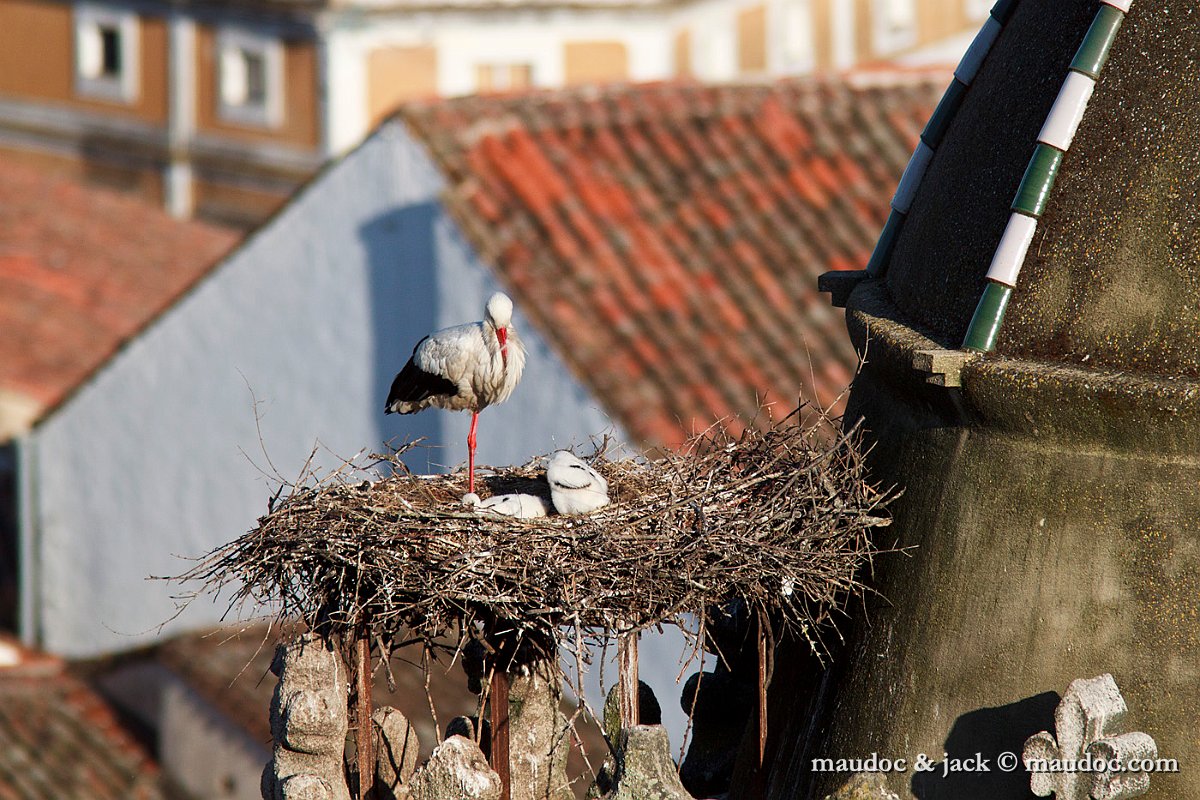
221 110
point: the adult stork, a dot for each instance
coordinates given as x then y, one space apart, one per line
464 368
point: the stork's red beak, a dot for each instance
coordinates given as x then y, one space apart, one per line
502 336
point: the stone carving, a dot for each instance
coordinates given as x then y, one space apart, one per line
644 769
465 727
396 750
539 735
1108 785
457 770
308 723
1085 724
649 713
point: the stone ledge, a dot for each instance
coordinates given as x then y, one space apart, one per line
1053 402
840 283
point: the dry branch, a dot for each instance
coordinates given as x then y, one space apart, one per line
778 518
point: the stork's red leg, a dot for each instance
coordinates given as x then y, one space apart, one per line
471 452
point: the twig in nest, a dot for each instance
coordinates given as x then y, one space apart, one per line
778 518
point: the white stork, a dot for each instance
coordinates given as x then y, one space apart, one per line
464 368
520 506
575 488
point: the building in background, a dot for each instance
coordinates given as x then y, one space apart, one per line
82 270
59 738
223 109
661 243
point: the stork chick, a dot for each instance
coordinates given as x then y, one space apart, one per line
575 488
519 506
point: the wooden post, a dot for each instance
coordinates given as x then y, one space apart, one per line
500 731
762 695
627 677
363 736
760 773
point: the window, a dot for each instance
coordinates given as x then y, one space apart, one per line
895 25
797 33
397 74
249 79
683 53
595 61
503 77
752 39
106 53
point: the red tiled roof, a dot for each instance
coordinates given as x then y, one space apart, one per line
668 237
82 269
59 740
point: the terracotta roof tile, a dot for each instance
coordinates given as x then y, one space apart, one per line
81 270
59 740
674 232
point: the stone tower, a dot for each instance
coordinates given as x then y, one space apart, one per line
1051 479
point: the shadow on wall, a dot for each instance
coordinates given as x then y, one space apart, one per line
403 283
110 161
985 734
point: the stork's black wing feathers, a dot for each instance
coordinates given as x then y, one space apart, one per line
413 384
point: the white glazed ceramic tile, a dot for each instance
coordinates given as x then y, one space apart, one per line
1068 110
969 66
911 180
1123 5
1010 255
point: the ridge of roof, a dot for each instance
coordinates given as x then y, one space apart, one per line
667 237
17 660
880 76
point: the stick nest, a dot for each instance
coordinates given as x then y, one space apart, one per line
777 518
